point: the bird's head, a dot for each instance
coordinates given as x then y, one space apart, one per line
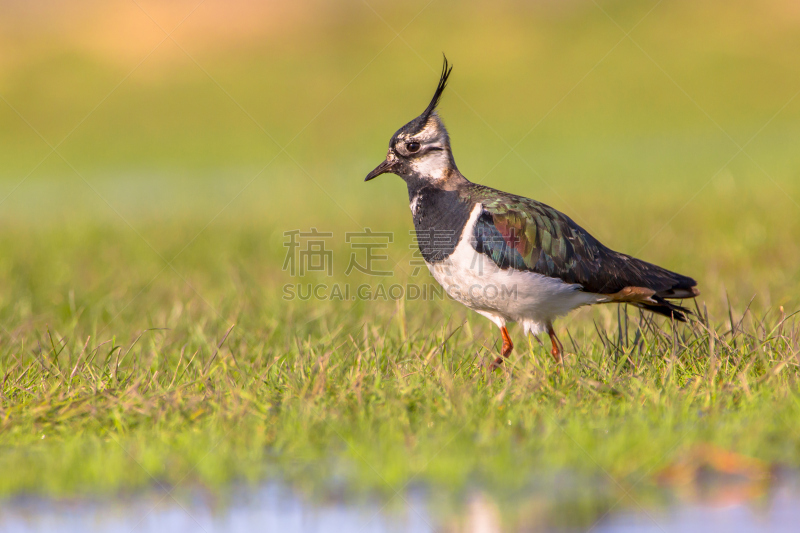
419 152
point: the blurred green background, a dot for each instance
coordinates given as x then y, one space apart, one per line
133 134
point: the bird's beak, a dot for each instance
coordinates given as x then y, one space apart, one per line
387 166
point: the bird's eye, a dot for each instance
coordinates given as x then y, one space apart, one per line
412 146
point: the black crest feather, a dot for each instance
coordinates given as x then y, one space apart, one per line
439 90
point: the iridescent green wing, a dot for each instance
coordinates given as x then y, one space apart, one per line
524 234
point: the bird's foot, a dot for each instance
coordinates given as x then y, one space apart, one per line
508 347
558 348
497 364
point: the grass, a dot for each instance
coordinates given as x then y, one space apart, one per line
123 271
367 395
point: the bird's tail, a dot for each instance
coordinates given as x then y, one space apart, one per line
665 308
651 287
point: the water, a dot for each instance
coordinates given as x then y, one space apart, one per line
273 507
780 515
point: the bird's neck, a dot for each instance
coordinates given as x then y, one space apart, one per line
439 218
446 179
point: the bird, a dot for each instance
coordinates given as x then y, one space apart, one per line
510 258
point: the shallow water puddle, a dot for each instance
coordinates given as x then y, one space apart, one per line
710 508
271 508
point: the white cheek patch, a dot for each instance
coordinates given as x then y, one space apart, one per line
433 164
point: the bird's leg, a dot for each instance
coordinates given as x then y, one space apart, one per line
558 349
508 346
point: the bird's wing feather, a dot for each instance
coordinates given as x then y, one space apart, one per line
523 234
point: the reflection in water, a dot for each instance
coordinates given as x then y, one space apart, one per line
273 508
780 514
717 477
269 509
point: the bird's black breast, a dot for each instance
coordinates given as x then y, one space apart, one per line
439 219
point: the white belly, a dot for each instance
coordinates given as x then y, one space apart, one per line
507 295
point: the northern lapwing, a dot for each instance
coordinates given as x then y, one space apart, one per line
510 258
